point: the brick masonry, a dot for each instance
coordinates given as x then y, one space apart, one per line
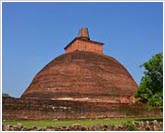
83 75
85 45
82 83
13 108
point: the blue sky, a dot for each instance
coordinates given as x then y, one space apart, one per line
35 33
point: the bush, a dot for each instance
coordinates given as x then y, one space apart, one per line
130 125
5 95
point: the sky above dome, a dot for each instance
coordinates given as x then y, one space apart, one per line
35 33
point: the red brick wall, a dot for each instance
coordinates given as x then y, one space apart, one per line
30 109
85 46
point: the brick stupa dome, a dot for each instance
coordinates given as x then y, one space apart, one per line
83 73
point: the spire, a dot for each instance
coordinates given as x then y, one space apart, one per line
83 33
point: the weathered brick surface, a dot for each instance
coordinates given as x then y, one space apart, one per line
83 83
85 45
84 34
83 75
63 109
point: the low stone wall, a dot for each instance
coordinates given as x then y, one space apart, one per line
138 126
17 109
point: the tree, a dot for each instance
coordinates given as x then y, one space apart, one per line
150 89
5 95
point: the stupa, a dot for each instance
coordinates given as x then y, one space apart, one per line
83 73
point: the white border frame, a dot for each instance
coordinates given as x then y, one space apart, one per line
1 3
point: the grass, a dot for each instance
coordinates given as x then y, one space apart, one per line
86 122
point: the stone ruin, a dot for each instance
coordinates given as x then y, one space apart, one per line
83 73
82 83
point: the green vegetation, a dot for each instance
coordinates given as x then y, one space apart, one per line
130 125
86 122
5 95
151 87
